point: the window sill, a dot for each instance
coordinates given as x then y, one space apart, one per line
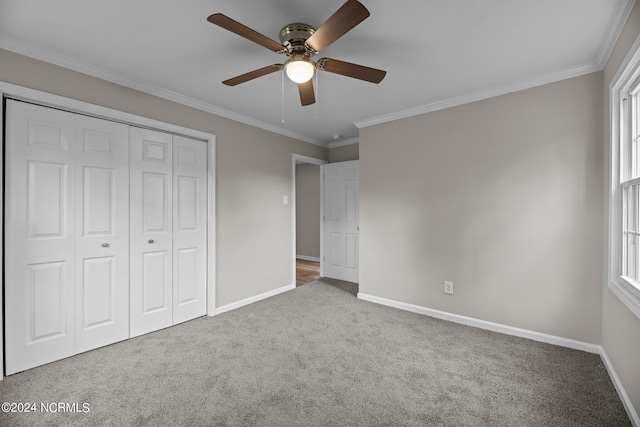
628 293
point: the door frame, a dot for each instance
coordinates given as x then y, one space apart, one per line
8 90
295 158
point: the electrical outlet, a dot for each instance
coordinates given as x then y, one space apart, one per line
448 288
285 200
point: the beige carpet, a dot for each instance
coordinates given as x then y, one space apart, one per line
318 356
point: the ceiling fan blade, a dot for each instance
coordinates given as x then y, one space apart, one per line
347 17
307 97
348 69
243 31
253 74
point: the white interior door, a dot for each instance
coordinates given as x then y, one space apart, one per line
189 229
340 231
151 275
39 267
101 232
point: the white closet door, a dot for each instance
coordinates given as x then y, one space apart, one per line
39 267
151 231
341 218
189 228
102 232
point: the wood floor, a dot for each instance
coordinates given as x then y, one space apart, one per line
306 271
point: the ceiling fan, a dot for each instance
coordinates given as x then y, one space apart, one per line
300 42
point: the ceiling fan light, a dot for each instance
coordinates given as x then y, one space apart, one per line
300 70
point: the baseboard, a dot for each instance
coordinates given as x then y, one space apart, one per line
253 299
524 333
628 406
307 258
483 324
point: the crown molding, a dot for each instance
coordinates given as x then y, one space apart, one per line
35 52
615 28
337 144
479 96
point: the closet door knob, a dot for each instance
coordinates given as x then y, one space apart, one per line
105 245
151 241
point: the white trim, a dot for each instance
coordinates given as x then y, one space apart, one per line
322 219
1 235
624 397
615 28
306 159
479 96
104 74
75 106
624 72
626 292
344 143
518 332
483 324
618 20
47 99
307 258
253 299
211 229
299 158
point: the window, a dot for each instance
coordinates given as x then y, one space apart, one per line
624 219
630 186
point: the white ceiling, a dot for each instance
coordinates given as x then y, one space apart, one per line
436 52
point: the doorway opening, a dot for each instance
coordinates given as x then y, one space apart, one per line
306 271
307 218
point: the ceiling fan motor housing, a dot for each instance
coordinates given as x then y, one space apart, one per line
294 36
300 42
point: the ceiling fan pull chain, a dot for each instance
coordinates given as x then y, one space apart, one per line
282 116
300 42
317 96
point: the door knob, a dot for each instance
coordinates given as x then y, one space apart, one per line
105 245
151 241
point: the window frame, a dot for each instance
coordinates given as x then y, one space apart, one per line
625 86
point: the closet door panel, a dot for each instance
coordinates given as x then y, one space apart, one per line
106 233
189 228
102 232
151 196
39 260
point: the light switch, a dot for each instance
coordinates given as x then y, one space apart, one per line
285 200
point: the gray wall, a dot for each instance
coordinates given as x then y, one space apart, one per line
504 197
308 210
253 172
620 327
344 153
